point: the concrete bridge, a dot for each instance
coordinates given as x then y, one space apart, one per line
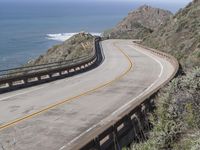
92 110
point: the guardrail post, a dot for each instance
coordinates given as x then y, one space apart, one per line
9 84
116 139
131 128
50 75
39 78
25 80
149 106
144 112
140 117
97 143
136 133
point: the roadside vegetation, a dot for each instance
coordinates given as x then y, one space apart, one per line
79 45
180 36
176 119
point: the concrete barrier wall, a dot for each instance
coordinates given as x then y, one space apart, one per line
132 125
16 82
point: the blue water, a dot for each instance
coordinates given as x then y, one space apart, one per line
24 26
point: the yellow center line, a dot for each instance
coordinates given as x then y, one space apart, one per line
12 123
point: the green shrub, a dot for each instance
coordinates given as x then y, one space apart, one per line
177 114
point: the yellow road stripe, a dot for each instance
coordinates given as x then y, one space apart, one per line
9 124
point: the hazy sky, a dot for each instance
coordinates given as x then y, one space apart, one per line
163 1
172 5
166 1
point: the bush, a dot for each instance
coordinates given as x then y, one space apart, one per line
177 114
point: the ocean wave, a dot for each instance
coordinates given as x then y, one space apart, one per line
64 36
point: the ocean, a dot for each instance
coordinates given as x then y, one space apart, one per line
28 29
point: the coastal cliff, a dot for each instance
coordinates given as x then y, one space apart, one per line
79 45
176 119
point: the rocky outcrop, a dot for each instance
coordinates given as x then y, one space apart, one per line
180 36
140 23
79 45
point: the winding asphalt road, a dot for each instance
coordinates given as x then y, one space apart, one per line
52 116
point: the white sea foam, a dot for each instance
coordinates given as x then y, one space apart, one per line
64 36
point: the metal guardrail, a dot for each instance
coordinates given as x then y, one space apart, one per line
37 68
16 78
130 125
31 68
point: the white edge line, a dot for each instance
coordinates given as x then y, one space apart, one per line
44 86
161 72
76 138
62 147
125 105
22 93
161 66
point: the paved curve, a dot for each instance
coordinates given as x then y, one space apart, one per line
53 115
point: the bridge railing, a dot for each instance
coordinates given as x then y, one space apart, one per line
20 77
37 68
130 125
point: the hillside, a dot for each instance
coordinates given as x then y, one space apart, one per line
77 46
139 23
176 119
180 36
